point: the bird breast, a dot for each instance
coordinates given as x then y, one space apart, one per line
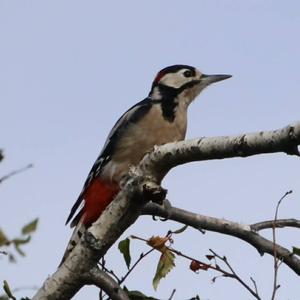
139 138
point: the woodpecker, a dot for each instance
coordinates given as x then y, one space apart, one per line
160 118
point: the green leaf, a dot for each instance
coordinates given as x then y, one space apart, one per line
18 242
7 290
30 227
19 250
3 239
180 230
124 249
296 251
21 241
165 265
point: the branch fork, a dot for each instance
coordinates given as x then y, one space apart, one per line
143 180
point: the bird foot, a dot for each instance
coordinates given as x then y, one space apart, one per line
154 192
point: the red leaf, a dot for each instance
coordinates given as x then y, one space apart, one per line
210 257
196 266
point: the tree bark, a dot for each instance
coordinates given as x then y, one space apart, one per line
128 204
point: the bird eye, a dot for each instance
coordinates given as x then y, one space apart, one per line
187 73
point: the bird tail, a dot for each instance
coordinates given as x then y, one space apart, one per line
97 197
78 231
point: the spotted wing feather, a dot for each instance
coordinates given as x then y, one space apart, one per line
130 116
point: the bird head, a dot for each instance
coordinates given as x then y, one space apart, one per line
182 80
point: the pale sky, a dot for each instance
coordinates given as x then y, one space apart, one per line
69 69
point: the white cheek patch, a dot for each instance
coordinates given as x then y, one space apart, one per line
173 80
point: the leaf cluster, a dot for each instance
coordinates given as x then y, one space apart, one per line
18 242
166 261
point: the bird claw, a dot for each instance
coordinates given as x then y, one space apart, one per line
154 192
167 207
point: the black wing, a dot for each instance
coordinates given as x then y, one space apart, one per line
132 115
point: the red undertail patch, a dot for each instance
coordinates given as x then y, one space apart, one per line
97 197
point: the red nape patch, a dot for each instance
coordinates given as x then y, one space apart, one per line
159 76
97 197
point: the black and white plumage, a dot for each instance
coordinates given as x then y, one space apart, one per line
158 119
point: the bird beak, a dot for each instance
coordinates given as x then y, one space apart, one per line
209 79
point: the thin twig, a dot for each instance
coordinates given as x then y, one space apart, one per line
134 265
179 253
5 177
279 202
208 266
111 272
255 285
276 264
234 275
205 266
138 238
172 294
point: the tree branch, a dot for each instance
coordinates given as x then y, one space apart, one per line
118 216
241 231
128 204
102 280
281 223
159 162
7 176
